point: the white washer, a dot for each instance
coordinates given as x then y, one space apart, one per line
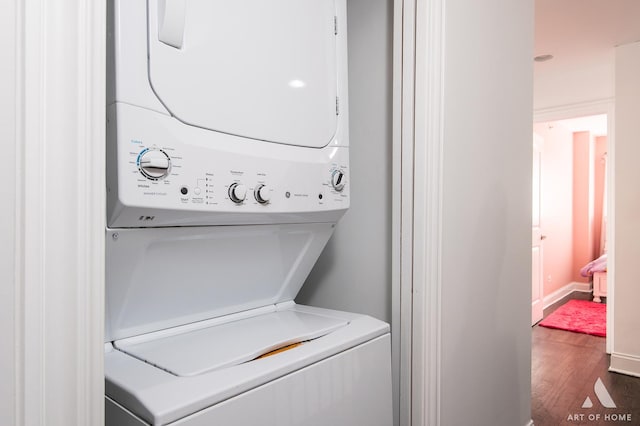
227 169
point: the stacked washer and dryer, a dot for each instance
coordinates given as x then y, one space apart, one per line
227 170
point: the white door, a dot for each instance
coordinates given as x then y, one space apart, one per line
266 70
536 235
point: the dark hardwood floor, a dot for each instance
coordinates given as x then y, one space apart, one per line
565 368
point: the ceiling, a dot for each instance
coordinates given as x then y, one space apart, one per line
582 36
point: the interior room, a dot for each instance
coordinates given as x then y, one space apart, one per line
573 201
580 90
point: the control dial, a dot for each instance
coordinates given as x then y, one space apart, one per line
237 192
338 180
262 194
154 163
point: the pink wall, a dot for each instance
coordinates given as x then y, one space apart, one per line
598 189
556 205
571 205
583 232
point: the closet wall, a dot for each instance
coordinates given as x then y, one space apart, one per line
354 271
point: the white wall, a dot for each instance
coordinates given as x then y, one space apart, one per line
354 271
486 214
554 89
625 356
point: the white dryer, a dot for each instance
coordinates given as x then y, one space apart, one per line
227 170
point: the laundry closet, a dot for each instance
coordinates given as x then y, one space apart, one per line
229 168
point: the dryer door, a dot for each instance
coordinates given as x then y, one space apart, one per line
258 69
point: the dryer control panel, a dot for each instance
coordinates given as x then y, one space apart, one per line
201 177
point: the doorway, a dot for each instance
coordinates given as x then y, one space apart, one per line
576 188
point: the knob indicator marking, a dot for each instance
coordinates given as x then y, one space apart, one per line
154 164
237 192
262 194
338 180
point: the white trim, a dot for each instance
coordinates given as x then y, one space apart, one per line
60 220
92 206
427 210
581 109
400 310
529 423
595 107
625 364
611 224
564 291
10 292
29 223
404 64
419 74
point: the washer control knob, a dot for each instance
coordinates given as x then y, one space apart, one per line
237 192
154 164
338 180
262 194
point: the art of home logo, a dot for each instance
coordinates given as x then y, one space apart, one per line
603 396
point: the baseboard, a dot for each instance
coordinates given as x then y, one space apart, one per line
530 423
625 364
583 287
552 298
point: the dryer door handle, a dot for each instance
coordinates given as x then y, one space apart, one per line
171 15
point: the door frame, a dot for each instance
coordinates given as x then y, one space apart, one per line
601 106
537 312
57 114
418 112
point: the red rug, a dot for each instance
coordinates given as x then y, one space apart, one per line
580 316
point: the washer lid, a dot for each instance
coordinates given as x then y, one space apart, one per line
228 344
162 278
259 69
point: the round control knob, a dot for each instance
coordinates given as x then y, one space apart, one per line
338 180
237 192
262 194
154 164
